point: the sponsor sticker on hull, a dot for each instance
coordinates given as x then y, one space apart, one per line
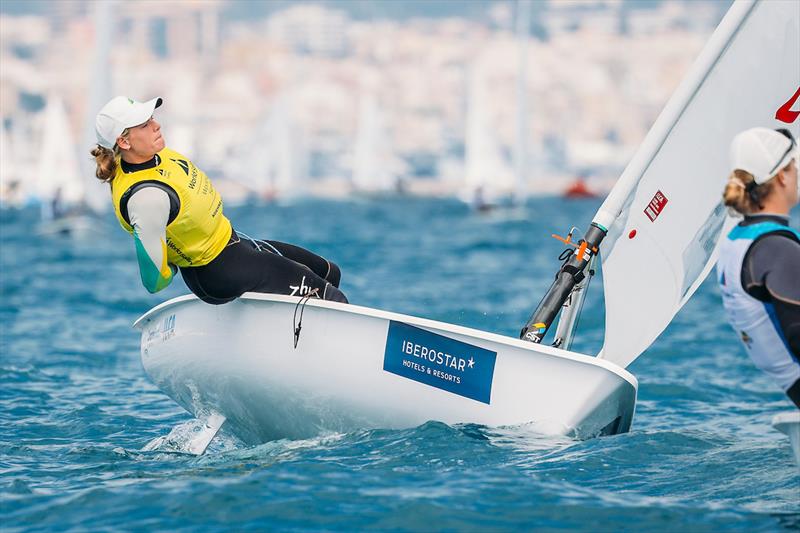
162 331
439 361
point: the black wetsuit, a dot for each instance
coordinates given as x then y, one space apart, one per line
263 266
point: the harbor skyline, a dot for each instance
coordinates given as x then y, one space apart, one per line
597 75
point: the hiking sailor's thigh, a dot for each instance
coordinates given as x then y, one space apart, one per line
281 275
318 264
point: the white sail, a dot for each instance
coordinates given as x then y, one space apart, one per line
22 154
523 21
374 166
488 173
97 197
277 160
59 179
8 172
291 165
664 214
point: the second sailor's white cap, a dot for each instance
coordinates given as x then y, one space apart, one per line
120 113
762 152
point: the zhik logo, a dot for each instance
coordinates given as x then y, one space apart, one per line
301 289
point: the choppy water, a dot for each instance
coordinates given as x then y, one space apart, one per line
76 407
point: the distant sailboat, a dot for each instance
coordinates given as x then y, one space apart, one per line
375 167
489 180
521 159
20 156
276 159
60 186
97 194
9 178
67 190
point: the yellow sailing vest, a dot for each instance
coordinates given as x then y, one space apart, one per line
200 231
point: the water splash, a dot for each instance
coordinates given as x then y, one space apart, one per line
192 436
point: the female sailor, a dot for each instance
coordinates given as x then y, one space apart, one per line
175 216
759 263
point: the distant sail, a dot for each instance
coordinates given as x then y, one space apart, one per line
58 175
8 171
488 172
374 165
97 194
521 160
664 215
276 159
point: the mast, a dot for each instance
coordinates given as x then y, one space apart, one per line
572 273
571 310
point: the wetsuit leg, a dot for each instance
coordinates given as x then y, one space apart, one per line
240 268
318 264
192 278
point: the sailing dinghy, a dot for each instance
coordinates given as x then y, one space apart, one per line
249 365
71 196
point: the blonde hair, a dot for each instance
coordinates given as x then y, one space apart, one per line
106 161
743 194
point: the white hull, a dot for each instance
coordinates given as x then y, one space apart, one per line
238 360
789 424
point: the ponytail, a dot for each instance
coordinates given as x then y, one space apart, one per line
106 161
743 194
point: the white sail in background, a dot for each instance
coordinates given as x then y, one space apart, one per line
8 171
22 156
523 21
59 179
277 161
98 194
488 174
664 214
290 168
374 165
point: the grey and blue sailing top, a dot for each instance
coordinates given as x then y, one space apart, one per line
759 278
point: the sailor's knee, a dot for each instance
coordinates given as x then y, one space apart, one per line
333 294
334 274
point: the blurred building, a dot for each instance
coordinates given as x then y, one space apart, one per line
599 72
311 29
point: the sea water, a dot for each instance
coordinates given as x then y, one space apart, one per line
76 408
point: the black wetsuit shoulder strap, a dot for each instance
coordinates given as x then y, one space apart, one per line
174 200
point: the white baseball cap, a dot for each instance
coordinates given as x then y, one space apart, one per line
121 113
762 152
